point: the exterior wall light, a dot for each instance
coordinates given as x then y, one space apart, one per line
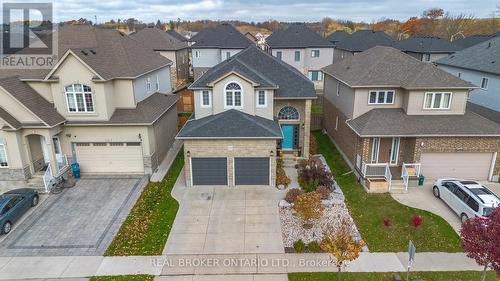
188 153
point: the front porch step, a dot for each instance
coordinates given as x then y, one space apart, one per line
36 181
398 186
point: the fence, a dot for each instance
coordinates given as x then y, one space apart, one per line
316 121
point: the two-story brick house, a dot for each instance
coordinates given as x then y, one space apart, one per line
248 109
212 46
391 114
102 105
170 47
303 49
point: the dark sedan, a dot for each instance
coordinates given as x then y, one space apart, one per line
14 204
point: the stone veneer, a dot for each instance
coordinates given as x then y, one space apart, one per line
304 122
230 149
7 174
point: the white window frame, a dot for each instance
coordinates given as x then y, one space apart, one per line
427 57
228 55
433 97
148 85
295 56
459 75
385 96
375 150
4 148
202 104
313 52
84 94
394 141
279 55
320 75
157 83
336 123
257 100
226 106
484 80
338 88
197 54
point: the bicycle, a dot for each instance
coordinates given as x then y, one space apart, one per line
63 183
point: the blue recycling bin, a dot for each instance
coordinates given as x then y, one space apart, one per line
76 170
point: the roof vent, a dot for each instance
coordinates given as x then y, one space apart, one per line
85 53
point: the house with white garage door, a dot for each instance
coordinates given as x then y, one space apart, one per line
248 109
394 117
103 105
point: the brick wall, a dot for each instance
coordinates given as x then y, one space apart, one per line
230 149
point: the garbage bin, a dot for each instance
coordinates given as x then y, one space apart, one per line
76 170
421 180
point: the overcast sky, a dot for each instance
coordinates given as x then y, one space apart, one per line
259 10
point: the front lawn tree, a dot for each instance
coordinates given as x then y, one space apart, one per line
339 242
481 240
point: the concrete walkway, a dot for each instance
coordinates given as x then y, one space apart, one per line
162 170
273 265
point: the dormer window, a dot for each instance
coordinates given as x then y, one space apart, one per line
437 101
206 100
79 98
233 96
261 98
381 97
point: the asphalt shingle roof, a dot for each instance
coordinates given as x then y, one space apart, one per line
297 36
337 36
472 40
426 44
261 67
231 124
491 114
176 35
386 66
224 36
42 108
159 40
146 112
483 57
11 120
395 122
362 40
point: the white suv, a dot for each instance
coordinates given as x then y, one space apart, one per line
466 198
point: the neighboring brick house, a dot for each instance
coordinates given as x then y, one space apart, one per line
212 46
359 41
392 115
303 49
248 109
479 64
170 47
102 105
426 48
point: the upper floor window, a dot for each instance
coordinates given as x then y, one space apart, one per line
437 100
381 97
3 155
148 85
197 54
338 88
233 96
316 75
288 113
79 98
315 53
484 83
459 75
157 83
206 100
278 55
427 57
261 98
297 55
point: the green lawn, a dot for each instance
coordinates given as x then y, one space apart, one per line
317 108
369 211
371 276
146 229
124 278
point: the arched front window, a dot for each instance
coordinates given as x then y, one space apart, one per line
288 113
79 98
233 95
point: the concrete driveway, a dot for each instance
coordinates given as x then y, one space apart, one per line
422 198
221 220
80 221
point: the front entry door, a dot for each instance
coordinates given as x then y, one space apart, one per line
288 137
384 154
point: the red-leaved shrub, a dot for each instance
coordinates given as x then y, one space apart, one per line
417 220
387 222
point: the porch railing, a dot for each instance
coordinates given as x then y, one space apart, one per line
409 170
49 176
377 170
47 179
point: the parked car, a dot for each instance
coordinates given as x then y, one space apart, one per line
466 198
14 204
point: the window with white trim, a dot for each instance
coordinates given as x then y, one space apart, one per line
3 155
315 53
375 148
157 83
427 57
228 55
148 84
336 123
197 54
381 97
278 55
233 95
297 55
484 83
288 113
315 75
338 88
261 98
206 100
79 98
437 101
459 75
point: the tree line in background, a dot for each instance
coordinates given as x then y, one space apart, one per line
432 22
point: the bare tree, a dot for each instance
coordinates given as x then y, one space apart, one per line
451 26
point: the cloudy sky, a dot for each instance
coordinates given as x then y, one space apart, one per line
260 10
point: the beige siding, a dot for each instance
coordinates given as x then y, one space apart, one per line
16 109
416 99
361 105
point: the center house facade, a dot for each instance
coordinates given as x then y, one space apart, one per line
249 109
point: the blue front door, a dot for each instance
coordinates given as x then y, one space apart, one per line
288 131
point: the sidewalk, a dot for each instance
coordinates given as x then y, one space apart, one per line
162 170
254 264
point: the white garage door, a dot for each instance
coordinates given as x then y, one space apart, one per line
114 157
474 166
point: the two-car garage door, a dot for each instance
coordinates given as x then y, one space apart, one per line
214 171
109 157
464 165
